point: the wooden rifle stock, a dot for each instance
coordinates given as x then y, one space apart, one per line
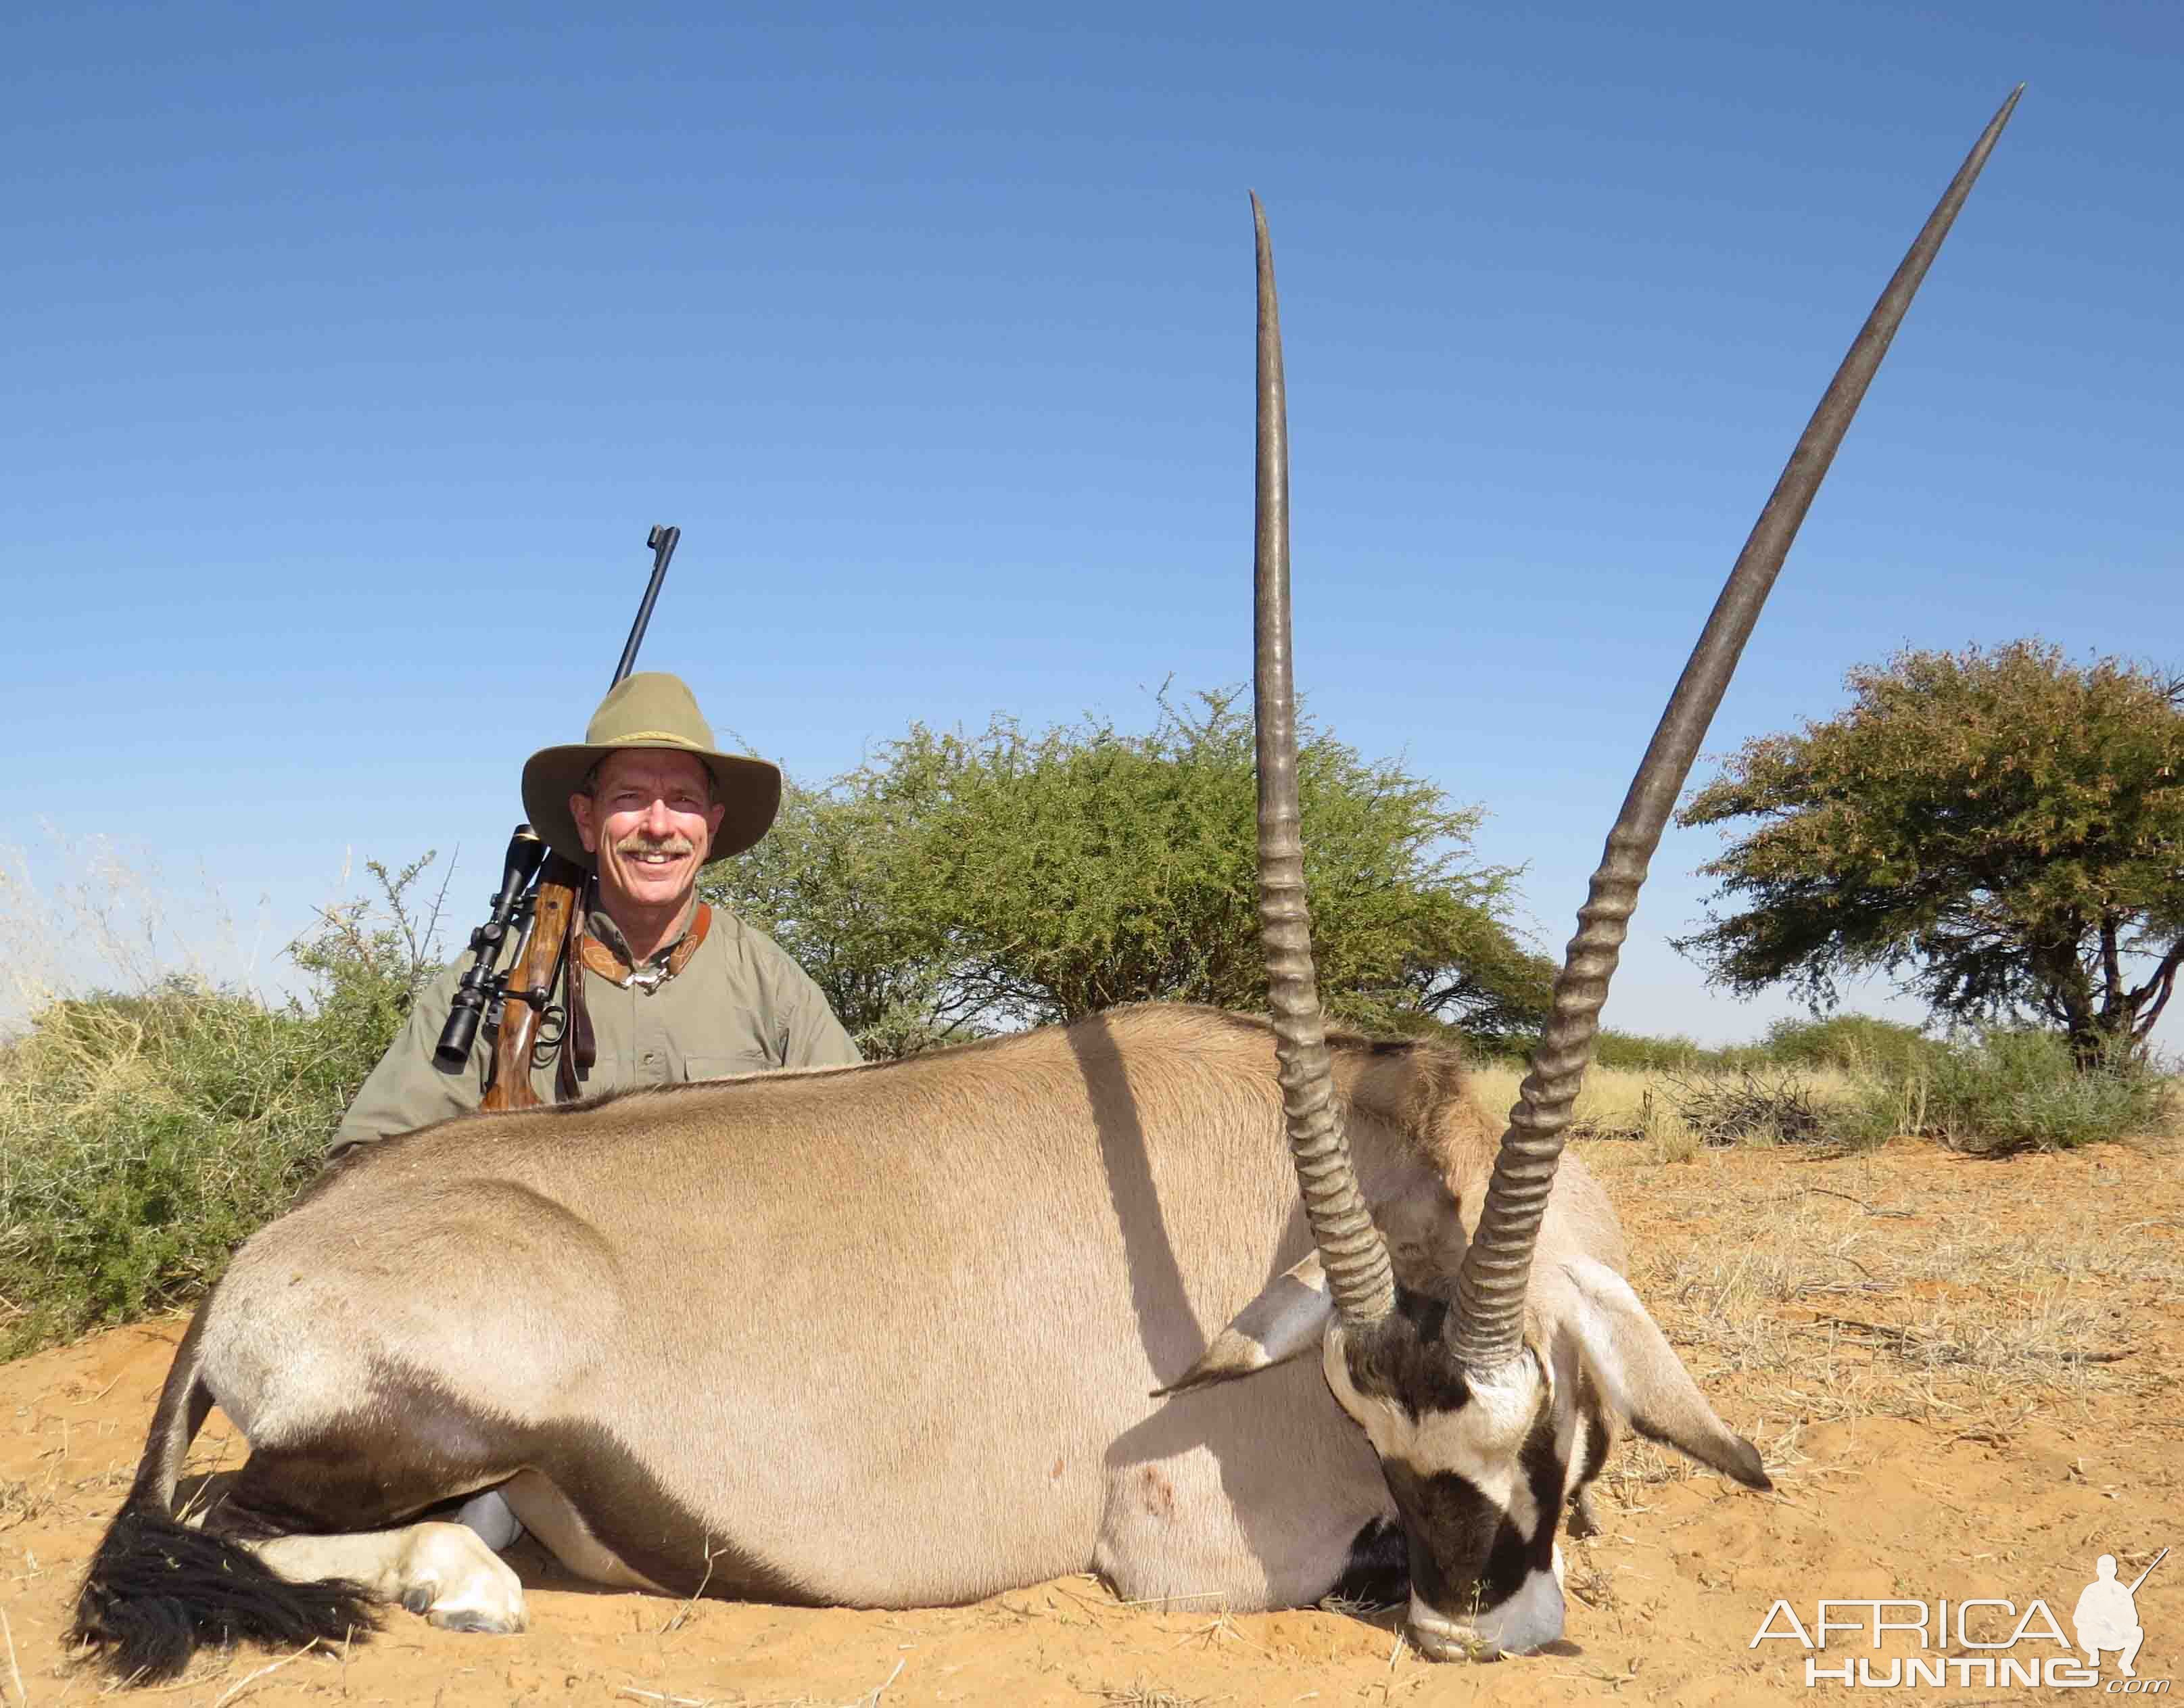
531 984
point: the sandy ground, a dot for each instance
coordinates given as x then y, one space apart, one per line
1962 1374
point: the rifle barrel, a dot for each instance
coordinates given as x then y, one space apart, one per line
662 541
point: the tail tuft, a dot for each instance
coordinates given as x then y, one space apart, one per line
158 1591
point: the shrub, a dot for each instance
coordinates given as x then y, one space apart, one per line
1854 1081
1851 1042
144 1134
1637 1050
1625 1052
2011 1089
2000 1090
961 884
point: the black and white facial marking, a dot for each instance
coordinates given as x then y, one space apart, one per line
1379 1572
1477 1473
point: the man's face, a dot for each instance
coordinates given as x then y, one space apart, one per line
650 822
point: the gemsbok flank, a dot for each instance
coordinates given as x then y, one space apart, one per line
918 1331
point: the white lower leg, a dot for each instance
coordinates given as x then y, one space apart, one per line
488 1514
442 1571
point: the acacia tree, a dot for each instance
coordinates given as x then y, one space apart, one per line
826 884
958 885
2000 832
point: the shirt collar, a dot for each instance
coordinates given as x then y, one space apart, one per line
601 926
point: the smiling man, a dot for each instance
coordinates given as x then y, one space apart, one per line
672 989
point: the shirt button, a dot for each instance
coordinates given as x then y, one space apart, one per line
652 1058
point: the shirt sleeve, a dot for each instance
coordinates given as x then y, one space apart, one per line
813 1037
405 1091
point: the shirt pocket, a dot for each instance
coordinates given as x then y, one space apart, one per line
697 1067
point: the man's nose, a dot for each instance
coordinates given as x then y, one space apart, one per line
658 823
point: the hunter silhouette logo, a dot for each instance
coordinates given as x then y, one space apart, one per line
1982 1640
2106 1613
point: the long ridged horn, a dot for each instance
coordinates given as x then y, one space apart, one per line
1496 1268
1350 1249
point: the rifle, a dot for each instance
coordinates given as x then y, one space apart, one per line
538 900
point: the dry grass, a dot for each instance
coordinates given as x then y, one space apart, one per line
93 913
1673 1114
1652 1108
1906 1284
1139 1695
1615 1102
20 1502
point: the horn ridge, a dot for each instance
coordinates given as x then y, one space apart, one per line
1497 1264
1360 1276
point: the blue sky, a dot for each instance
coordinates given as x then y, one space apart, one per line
354 349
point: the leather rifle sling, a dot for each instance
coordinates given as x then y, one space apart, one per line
579 1044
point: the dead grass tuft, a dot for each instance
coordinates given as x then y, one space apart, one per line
1141 1695
20 1502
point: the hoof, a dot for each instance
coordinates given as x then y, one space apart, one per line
476 1619
459 1584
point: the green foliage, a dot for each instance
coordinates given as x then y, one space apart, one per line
1856 1080
1644 1052
1986 1090
143 1135
1851 1042
366 960
965 883
2000 832
2011 1088
823 884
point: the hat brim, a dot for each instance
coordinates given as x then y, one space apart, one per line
749 789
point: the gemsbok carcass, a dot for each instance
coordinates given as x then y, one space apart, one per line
918 1331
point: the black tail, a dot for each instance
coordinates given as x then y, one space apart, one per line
157 1590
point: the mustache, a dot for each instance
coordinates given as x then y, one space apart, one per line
672 845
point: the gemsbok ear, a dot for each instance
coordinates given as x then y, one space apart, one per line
1287 1318
1642 1379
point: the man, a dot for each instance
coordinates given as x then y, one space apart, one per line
675 990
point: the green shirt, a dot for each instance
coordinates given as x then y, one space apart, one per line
741 1005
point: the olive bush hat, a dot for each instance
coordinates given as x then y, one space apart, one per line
650 709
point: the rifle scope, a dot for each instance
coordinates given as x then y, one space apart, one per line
527 851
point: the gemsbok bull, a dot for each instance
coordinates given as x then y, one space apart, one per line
918 1331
